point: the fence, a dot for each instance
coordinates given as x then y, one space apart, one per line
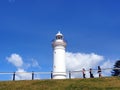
48 75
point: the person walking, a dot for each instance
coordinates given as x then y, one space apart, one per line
83 71
91 73
99 71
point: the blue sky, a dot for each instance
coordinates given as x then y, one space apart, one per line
27 28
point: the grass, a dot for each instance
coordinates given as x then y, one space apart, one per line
112 83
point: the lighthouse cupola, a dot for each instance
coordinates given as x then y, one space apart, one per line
59 36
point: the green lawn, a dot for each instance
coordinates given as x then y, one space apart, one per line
112 83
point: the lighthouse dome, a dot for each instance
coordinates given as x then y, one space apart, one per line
59 35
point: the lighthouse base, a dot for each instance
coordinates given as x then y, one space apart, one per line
59 76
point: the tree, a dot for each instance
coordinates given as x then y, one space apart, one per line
116 72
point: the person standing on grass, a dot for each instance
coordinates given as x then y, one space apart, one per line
91 73
99 71
83 71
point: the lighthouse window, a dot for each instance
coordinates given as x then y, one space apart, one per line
59 37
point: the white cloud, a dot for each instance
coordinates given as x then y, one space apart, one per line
35 63
16 60
77 61
21 74
106 65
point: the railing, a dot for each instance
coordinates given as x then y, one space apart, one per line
49 75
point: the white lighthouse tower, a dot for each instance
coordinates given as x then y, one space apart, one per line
59 68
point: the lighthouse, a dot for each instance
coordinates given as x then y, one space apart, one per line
59 68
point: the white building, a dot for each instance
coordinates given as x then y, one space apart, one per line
59 68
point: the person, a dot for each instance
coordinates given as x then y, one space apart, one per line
91 73
83 71
99 71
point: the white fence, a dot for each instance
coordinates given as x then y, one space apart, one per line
106 72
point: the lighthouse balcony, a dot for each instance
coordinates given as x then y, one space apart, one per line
59 43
